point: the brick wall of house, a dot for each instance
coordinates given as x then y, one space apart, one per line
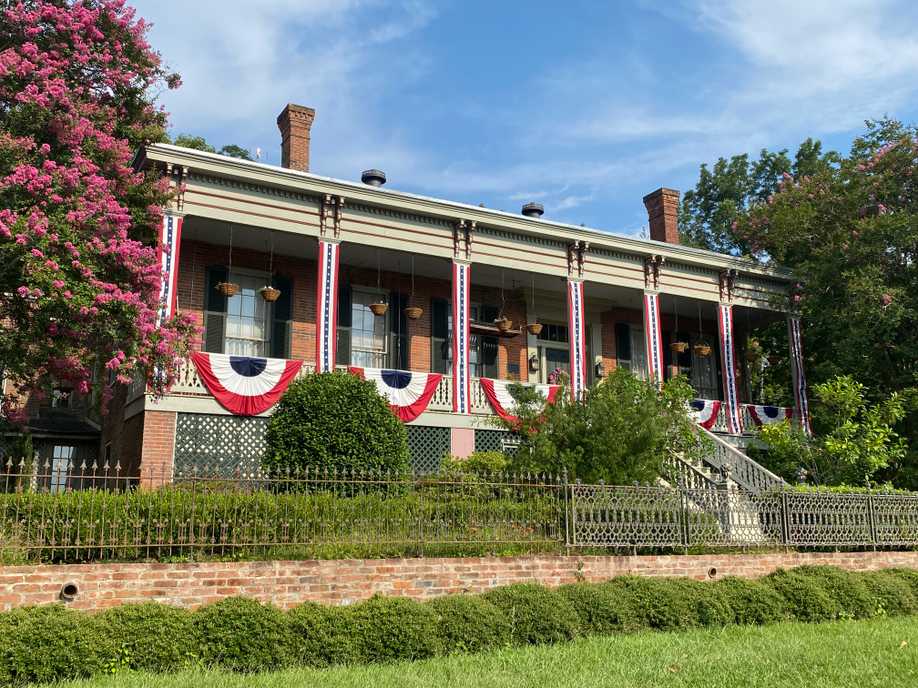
157 451
288 583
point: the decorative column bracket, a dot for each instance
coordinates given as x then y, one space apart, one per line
652 265
576 257
177 175
330 217
727 279
462 239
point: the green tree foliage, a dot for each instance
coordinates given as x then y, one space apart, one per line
732 187
621 433
200 143
853 441
335 420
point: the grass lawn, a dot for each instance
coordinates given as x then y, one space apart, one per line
851 653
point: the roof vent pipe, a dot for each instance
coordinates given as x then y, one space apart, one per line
373 177
533 210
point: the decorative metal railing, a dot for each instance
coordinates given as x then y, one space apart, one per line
59 512
745 472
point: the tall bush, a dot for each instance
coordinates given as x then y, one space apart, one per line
621 432
335 421
244 635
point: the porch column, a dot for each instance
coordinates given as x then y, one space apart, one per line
801 404
168 246
327 305
460 335
653 337
728 362
577 329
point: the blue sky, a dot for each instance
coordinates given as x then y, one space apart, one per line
582 106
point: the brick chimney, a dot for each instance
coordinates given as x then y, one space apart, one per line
663 213
294 123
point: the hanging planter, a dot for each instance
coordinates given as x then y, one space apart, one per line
379 308
702 349
534 328
269 293
228 288
503 323
414 312
679 347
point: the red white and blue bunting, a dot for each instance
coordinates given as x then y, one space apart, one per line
462 380
170 241
327 305
728 362
245 385
502 401
705 412
577 328
408 393
799 377
653 337
768 415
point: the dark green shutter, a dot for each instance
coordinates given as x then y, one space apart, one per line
439 335
398 331
623 341
343 350
214 309
488 346
281 322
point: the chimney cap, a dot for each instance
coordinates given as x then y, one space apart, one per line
533 210
373 177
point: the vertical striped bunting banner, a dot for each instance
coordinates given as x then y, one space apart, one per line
728 362
577 328
462 387
327 305
799 377
653 336
170 240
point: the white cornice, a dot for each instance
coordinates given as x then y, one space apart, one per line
305 182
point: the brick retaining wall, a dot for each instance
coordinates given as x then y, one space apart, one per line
287 583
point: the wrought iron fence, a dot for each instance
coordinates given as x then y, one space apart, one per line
59 512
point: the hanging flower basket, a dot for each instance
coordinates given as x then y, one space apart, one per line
503 324
534 328
678 347
228 288
414 312
379 308
702 349
269 293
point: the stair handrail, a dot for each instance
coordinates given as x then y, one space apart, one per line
748 474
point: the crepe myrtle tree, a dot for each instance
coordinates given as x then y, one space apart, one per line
79 276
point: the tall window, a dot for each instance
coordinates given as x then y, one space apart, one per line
482 348
247 332
629 348
60 467
554 350
369 340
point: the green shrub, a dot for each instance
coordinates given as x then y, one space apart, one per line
752 602
335 420
388 629
709 607
322 635
243 635
602 609
151 636
845 588
483 463
469 623
658 603
52 643
891 594
910 576
537 615
806 596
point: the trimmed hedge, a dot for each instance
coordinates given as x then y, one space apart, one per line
41 644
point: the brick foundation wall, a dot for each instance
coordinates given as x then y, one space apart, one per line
288 583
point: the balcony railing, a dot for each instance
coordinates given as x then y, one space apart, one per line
188 384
